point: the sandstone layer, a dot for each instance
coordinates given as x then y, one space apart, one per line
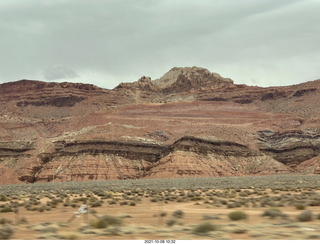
188 123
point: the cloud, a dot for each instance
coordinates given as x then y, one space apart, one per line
58 72
120 40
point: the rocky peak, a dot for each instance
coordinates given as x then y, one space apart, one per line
144 83
184 79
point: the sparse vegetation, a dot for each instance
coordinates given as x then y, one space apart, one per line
171 222
237 215
48 198
204 228
274 213
6 231
305 216
178 214
300 207
106 220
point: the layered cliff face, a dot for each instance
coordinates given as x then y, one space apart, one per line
187 157
290 147
188 123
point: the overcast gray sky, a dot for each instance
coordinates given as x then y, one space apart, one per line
254 42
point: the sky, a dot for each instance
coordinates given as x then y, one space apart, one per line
106 42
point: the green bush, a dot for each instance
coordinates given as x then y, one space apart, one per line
204 228
305 216
237 215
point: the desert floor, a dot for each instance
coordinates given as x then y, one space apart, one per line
147 214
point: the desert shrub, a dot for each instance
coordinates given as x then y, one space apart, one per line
237 215
274 213
171 222
223 201
41 209
300 207
3 198
99 224
5 221
153 200
210 216
231 205
70 237
74 205
6 231
315 202
105 221
111 220
178 214
163 214
204 228
91 199
75 200
36 202
6 209
196 198
112 202
95 204
132 204
54 202
243 194
23 220
124 203
305 216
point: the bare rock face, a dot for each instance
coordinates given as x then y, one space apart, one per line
187 157
182 164
85 167
290 147
188 123
311 166
186 79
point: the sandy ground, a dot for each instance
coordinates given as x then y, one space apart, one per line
143 221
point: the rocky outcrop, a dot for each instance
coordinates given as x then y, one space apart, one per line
185 79
129 150
182 164
84 167
187 157
290 147
15 148
202 146
190 122
311 166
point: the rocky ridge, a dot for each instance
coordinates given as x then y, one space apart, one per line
188 123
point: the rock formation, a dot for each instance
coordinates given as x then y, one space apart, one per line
188 123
